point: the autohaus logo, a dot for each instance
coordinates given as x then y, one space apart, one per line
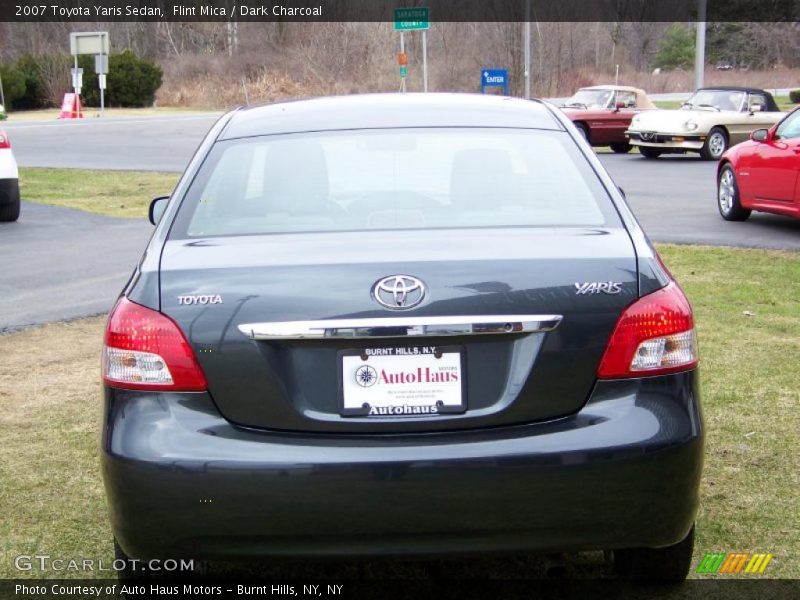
366 376
399 292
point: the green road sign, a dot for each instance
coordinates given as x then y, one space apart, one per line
410 19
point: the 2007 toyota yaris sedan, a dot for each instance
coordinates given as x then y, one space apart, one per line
401 325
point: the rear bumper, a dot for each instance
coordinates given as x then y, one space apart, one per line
9 191
623 472
667 141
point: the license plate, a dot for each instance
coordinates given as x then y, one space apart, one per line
402 382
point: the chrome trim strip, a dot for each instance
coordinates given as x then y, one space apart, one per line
390 327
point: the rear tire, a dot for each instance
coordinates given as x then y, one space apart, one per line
667 565
621 148
715 145
649 152
728 198
10 212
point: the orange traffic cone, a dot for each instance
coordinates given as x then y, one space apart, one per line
71 108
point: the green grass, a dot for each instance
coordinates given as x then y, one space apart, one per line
111 193
748 319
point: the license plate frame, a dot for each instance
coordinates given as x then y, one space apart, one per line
425 394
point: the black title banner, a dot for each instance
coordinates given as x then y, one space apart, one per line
383 10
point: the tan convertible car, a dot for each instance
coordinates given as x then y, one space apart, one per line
709 122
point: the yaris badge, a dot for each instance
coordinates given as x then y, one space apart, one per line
597 287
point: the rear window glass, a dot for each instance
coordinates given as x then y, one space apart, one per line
393 179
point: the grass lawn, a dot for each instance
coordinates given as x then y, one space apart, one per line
748 317
111 193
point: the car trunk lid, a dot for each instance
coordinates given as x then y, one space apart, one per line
282 323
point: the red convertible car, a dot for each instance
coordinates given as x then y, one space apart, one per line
762 174
603 113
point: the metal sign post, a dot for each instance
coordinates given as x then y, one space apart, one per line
77 79
413 19
91 42
101 68
403 67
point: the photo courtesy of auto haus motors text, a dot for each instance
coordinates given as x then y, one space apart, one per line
67 590
412 299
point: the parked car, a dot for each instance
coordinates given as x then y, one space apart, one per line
9 181
709 122
603 113
762 174
387 325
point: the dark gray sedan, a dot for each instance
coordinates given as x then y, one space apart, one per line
401 325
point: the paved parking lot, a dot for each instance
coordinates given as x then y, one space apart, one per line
62 263
674 199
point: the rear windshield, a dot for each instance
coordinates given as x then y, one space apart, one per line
393 179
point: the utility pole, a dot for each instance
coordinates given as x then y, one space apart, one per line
700 45
424 61
527 43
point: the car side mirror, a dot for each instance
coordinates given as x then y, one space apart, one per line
760 135
754 108
157 208
619 105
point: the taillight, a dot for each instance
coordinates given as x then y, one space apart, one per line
654 335
4 141
146 350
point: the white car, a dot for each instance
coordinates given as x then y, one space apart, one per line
710 122
9 181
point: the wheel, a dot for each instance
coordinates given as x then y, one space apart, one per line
649 152
716 144
583 130
728 196
10 212
621 148
670 564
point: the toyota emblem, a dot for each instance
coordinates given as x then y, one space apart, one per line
399 292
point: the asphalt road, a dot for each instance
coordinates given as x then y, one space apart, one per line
146 143
62 263
674 198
